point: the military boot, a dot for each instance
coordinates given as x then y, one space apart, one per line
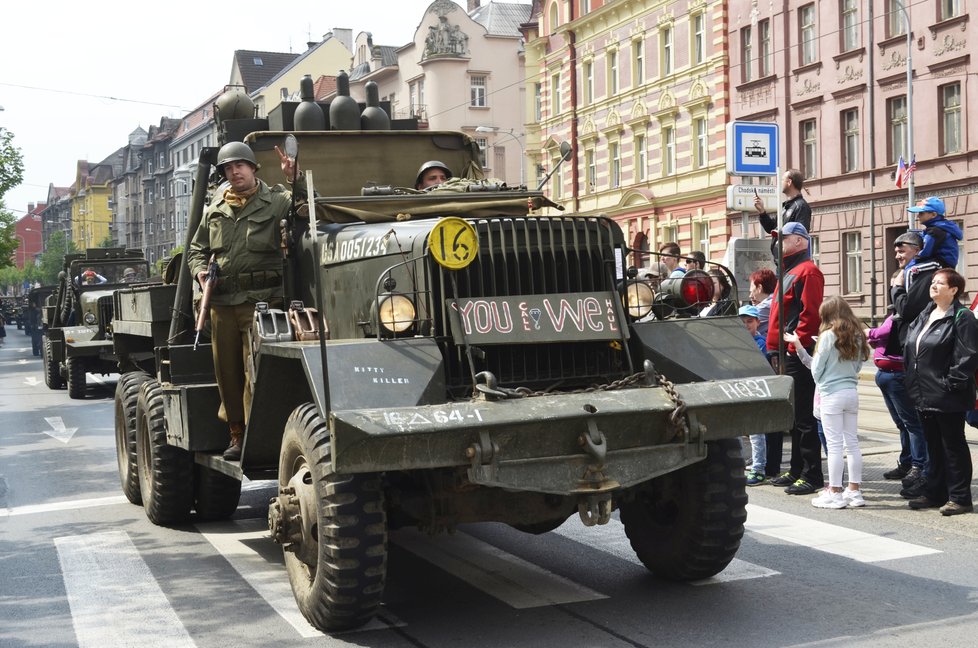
233 453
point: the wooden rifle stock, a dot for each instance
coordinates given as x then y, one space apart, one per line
205 300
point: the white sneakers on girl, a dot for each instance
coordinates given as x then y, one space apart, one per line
829 499
853 498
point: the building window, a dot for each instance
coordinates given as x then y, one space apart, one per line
896 112
746 55
638 63
764 59
592 171
257 61
850 25
850 140
809 41
641 157
894 18
665 40
588 82
614 151
950 9
951 118
816 249
701 142
585 7
554 17
538 101
809 148
701 237
555 95
478 92
483 147
668 151
853 242
699 38
612 73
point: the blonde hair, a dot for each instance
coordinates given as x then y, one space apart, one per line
837 316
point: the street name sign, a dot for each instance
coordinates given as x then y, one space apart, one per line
741 198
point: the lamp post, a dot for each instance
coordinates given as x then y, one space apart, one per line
901 5
23 250
509 133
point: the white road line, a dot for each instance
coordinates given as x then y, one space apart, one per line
509 578
270 580
114 599
610 538
63 506
830 538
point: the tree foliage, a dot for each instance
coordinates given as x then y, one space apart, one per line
11 175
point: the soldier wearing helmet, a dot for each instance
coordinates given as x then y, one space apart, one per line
240 228
129 275
431 174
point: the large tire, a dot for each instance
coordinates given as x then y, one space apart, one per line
688 524
338 565
216 495
77 386
126 395
166 472
52 368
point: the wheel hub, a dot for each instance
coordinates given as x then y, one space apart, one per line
293 519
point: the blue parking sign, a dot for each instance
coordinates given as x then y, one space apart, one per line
752 148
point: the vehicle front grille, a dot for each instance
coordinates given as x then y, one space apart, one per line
104 307
532 256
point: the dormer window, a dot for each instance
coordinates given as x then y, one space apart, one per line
257 61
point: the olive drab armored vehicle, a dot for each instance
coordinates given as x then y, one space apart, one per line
77 322
447 355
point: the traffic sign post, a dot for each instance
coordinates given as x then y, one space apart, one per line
752 148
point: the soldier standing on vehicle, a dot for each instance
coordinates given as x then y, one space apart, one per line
794 209
241 229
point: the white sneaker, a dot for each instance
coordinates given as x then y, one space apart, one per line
828 499
853 498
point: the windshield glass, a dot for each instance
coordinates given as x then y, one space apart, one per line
94 273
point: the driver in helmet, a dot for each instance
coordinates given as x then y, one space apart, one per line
431 174
241 229
129 275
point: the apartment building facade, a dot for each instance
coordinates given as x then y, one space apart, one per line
833 75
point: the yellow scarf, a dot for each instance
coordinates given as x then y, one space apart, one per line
238 200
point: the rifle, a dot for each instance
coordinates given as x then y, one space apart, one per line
205 300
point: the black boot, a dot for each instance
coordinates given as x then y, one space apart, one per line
233 453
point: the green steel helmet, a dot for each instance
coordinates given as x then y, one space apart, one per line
233 152
431 164
911 238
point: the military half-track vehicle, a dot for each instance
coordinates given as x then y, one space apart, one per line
12 311
477 362
77 320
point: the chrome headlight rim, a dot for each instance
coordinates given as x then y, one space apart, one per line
637 298
90 319
396 313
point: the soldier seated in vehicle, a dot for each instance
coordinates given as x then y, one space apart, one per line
89 277
431 174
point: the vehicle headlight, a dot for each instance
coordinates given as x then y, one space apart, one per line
638 299
90 318
396 313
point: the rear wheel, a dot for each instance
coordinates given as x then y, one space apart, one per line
216 495
52 370
77 387
126 395
688 524
333 528
165 472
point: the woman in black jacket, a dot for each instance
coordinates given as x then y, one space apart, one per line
940 357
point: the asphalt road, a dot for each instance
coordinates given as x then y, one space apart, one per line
80 566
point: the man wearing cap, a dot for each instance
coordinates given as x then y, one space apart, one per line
794 210
803 286
941 236
909 294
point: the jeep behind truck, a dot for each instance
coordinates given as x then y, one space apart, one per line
479 362
77 326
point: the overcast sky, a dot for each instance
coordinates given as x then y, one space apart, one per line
78 77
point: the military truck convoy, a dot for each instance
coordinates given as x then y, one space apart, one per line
448 356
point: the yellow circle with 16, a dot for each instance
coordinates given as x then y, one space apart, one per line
453 243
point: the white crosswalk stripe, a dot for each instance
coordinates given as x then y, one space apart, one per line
114 599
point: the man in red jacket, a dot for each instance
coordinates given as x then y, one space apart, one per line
804 288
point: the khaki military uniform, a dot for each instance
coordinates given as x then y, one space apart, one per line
246 241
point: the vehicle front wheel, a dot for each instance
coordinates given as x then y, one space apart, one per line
77 386
687 525
333 528
166 473
126 395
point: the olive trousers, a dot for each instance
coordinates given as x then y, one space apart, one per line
231 347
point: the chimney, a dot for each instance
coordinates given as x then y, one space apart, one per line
473 5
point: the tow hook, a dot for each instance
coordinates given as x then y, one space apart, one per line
594 509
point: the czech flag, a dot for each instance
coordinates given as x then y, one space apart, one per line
900 173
